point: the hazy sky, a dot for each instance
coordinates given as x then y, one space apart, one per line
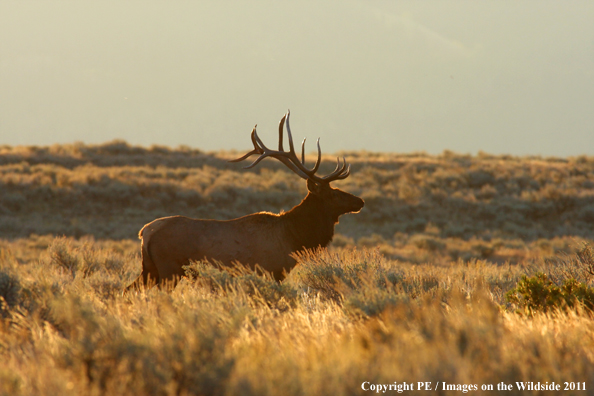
501 76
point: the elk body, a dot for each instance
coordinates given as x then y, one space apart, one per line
264 239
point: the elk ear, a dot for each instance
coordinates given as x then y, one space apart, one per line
313 187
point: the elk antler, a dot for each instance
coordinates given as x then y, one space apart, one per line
290 158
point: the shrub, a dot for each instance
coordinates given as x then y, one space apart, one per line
10 291
332 274
10 284
180 351
579 267
257 284
63 255
539 293
82 258
362 281
428 243
370 301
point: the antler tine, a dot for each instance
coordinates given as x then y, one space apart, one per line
345 174
338 168
256 150
260 158
339 172
243 157
344 165
291 148
342 174
303 151
261 145
280 133
319 160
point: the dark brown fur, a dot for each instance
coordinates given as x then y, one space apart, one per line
263 239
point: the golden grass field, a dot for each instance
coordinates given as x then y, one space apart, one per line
412 289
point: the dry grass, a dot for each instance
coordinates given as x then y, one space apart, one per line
412 289
343 317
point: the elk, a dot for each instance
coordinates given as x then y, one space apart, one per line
261 239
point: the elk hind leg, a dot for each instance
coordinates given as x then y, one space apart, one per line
149 276
171 273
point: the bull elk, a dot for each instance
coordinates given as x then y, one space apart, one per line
264 239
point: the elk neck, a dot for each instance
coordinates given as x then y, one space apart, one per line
309 223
